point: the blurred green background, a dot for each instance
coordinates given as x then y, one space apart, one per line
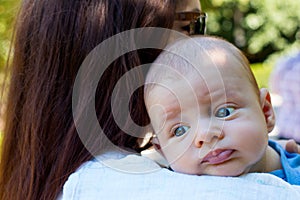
8 10
263 29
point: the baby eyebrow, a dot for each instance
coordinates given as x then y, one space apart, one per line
167 117
215 95
171 114
231 95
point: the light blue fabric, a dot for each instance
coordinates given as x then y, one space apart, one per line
98 179
290 162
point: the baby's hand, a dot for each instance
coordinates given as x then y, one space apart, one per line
290 145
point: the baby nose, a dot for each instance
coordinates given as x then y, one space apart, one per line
207 134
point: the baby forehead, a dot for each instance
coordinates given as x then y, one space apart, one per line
201 88
191 47
193 58
183 75
186 89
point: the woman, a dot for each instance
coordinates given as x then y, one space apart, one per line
41 146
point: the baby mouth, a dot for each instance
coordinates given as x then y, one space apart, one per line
217 156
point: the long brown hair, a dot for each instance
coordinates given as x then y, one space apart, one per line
41 147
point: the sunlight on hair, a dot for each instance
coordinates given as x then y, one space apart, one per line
146 138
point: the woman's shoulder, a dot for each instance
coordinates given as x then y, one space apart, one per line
79 181
137 177
106 172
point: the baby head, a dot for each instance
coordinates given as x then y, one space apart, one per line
206 110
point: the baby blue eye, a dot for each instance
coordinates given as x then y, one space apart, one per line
224 112
180 130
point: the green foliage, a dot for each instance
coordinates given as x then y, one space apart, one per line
262 74
258 27
8 10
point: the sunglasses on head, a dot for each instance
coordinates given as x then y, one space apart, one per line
197 20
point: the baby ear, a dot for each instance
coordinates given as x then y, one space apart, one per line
267 108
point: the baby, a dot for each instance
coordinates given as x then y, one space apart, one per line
208 114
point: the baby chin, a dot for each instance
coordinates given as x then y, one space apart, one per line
226 168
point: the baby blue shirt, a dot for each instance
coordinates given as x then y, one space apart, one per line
290 162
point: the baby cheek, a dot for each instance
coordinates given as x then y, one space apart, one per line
250 125
185 161
247 135
252 140
182 165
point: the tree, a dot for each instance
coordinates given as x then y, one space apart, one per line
260 28
8 10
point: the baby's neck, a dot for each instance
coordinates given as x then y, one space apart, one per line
269 162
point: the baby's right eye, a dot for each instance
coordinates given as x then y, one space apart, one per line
180 130
224 112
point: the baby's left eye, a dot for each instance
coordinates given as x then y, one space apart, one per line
224 112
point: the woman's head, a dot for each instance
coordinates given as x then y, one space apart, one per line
188 12
52 37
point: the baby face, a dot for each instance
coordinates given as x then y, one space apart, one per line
211 122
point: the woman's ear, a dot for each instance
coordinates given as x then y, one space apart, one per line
267 108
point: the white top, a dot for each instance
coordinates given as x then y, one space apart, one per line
136 177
